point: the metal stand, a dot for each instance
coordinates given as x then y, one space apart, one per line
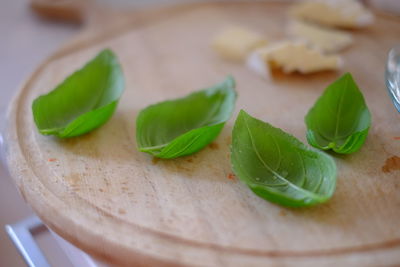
21 234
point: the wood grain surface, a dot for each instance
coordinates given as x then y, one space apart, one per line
98 192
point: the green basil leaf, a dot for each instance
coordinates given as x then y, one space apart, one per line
340 118
183 126
83 101
278 167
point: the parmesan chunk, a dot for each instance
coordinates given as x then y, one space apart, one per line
336 13
325 39
291 57
236 43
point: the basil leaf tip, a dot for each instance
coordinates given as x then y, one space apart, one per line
84 101
278 167
183 126
340 119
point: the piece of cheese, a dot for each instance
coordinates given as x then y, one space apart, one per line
291 57
236 43
336 13
325 39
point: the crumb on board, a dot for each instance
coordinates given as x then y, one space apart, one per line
396 138
231 176
391 164
121 211
213 146
51 159
155 160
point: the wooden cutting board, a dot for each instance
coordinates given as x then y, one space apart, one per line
122 206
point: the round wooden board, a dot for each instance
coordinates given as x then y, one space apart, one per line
98 192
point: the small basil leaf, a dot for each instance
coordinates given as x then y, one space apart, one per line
278 167
340 118
83 101
183 126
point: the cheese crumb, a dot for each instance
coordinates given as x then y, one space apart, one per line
335 13
291 57
325 39
236 43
